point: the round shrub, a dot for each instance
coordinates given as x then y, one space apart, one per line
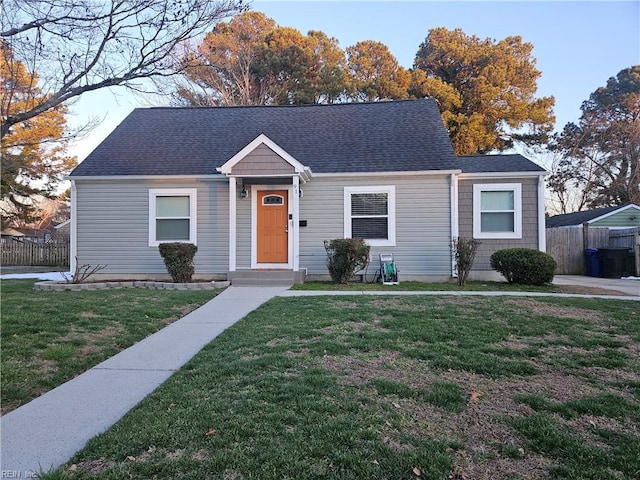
524 265
178 258
345 256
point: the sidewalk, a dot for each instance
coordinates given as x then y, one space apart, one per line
47 431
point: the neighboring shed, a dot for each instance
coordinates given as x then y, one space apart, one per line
614 217
569 235
10 235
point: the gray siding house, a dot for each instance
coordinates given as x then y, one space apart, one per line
260 188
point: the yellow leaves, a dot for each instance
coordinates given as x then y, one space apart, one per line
482 86
376 72
19 94
32 150
448 97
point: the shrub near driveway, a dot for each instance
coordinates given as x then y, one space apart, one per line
50 337
359 387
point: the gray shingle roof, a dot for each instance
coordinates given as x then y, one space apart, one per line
497 163
578 218
356 137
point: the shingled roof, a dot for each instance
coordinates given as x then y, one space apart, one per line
498 163
578 218
342 138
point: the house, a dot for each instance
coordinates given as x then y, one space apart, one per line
24 235
625 216
9 235
259 189
62 232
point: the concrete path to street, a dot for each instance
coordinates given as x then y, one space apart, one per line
46 432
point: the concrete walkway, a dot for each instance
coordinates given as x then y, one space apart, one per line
46 432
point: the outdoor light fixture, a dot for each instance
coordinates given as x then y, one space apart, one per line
243 192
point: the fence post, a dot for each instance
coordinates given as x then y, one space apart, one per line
585 245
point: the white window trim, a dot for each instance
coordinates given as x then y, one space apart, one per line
390 190
192 193
516 188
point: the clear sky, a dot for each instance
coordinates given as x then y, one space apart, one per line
578 44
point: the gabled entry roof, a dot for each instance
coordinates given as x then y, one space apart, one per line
343 138
262 139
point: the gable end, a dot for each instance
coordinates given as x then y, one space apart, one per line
262 153
262 161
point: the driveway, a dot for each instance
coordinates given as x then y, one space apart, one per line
628 286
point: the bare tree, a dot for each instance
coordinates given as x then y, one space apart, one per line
77 46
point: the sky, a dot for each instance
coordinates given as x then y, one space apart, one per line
578 45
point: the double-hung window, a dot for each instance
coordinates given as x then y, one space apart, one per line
172 216
497 210
369 213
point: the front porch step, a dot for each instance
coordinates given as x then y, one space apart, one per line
265 277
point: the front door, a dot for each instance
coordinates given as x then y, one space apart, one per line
273 226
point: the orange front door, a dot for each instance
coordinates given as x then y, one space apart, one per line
273 225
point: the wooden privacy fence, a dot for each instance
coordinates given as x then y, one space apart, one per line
35 254
567 245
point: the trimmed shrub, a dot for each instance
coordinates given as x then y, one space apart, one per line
345 257
178 258
524 265
464 252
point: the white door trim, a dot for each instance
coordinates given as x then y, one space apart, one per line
293 230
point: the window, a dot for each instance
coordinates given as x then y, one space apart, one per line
369 213
497 210
172 216
273 200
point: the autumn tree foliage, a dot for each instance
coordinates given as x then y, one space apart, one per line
600 155
220 70
376 74
33 152
485 88
250 60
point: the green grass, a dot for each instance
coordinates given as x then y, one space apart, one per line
358 387
50 337
429 286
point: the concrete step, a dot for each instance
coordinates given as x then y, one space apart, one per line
260 282
265 277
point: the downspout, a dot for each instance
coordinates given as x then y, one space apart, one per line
73 240
455 229
542 232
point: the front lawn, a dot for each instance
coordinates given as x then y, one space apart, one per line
394 388
50 337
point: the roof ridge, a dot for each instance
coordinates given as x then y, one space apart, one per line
305 105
